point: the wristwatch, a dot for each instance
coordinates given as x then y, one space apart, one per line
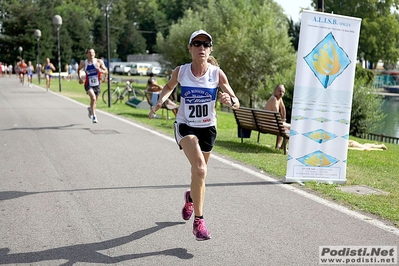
232 102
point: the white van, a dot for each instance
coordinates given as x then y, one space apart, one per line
141 69
157 71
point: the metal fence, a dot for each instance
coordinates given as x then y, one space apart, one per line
381 138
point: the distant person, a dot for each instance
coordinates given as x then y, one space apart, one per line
22 71
29 72
48 69
152 84
93 68
10 70
276 104
70 69
66 69
155 88
366 146
5 70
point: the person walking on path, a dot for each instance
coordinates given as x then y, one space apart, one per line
195 125
93 68
29 72
10 70
48 69
22 71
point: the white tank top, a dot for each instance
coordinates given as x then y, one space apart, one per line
198 97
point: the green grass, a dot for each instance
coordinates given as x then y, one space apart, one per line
377 169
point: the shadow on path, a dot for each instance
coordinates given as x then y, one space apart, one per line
65 127
9 195
90 252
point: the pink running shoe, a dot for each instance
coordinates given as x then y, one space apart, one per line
200 231
188 208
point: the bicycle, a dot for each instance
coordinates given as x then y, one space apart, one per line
118 94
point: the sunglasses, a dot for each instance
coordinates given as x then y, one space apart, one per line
206 44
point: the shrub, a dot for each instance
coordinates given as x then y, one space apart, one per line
367 111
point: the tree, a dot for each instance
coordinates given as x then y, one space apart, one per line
18 25
379 33
251 44
131 43
156 16
75 35
117 20
293 32
366 109
20 19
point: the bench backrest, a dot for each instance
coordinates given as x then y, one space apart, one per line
269 122
260 120
245 118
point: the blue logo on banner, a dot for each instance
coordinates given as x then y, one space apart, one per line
320 136
318 159
327 60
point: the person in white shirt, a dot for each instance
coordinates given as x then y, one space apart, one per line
195 125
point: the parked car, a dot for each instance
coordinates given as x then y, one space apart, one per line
130 69
116 69
140 69
121 69
157 71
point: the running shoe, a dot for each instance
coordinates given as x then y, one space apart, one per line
188 208
200 231
95 119
90 113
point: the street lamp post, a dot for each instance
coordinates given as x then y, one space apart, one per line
20 52
320 5
57 21
38 34
107 8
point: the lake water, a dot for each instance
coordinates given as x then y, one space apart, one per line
391 121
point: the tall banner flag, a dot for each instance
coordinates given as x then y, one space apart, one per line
322 100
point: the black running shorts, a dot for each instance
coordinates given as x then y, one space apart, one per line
206 136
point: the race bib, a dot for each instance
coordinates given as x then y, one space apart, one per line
93 81
198 110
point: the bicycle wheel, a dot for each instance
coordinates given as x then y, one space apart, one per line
114 96
105 96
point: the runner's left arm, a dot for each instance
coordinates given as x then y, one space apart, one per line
102 67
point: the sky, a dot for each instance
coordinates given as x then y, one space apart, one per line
293 7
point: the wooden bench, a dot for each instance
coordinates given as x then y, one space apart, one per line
263 121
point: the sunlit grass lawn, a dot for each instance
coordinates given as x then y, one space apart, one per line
377 169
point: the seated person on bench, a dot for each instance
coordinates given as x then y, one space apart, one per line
276 104
155 88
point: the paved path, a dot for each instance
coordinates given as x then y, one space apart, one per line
77 193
